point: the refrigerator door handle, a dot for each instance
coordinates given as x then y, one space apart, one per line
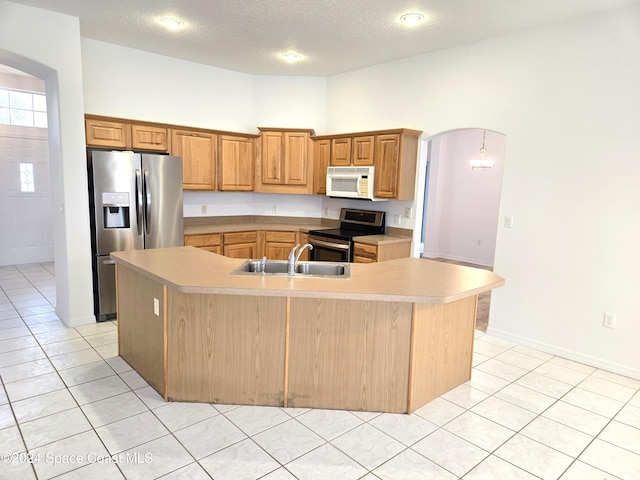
139 201
109 262
147 204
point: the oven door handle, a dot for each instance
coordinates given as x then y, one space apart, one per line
335 246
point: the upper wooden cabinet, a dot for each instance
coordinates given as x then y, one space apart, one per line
236 163
125 134
362 150
321 160
105 133
395 158
393 153
340 152
199 152
284 161
355 150
148 137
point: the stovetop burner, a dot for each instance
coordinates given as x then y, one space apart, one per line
354 223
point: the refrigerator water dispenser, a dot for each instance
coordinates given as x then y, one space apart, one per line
115 207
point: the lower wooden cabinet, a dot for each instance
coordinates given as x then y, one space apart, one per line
277 244
240 244
211 242
366 253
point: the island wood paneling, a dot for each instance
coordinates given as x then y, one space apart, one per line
226 348
349 354
140 331
441 348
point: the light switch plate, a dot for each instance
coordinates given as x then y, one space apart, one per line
156 307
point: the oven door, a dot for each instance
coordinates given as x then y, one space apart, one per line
330 249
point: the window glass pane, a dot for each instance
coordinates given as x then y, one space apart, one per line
40 119
4 116
4 97
21 100
23 118
26 177
39 102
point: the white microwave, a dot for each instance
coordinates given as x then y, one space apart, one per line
350 182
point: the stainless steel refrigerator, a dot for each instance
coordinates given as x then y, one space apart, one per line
136 203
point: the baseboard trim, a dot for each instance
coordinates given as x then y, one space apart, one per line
590 360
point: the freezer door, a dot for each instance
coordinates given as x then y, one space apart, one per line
162 192
116 193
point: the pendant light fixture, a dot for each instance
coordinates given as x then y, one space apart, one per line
482 162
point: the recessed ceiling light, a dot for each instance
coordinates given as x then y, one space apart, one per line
291 57
411 19
172 23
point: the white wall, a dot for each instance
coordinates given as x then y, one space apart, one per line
566 97
464 202
47 45
129 83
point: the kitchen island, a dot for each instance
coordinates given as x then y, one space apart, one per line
394 336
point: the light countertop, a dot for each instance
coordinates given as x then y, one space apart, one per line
207 229
192 270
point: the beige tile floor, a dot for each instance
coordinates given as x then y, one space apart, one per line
70 408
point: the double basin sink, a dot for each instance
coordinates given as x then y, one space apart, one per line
302 269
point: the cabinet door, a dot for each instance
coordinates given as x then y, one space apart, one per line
100 133
236 163
296 158
272 158
341 152
198 152
278 244
241 250
386 162
321 159
145 137
362 150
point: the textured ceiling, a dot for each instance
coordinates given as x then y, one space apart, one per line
334 36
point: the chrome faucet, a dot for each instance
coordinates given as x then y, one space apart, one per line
294 257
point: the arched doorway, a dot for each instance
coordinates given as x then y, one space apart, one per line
461 200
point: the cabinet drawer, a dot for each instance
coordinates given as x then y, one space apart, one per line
240 237
358 259
280 237
364 250
203 240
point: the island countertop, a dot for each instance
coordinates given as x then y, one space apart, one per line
192 270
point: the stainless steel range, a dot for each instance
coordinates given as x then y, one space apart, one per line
336 245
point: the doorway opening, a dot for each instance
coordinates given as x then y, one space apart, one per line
25 183
462 200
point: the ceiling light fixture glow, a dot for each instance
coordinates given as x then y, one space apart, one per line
411 19
291 57
172 23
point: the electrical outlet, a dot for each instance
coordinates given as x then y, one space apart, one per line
508 221
396 219
204 209
156 307
274 208
325 212
609 320
408 212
